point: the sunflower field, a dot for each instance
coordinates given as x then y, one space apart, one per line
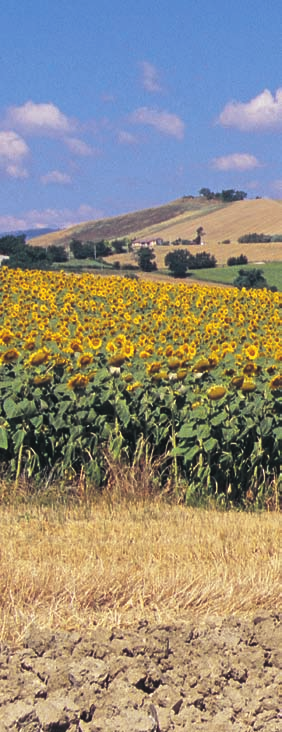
95 366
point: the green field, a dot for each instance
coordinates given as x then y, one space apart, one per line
226 275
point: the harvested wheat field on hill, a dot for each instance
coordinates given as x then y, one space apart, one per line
233 220
229 223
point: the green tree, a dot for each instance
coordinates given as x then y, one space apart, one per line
201 260
250 278
178 262
145 257
102 248
10 244
29 257
119 245
230 195
57 253
77 250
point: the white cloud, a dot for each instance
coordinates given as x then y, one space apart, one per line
79 147
40 118
126 138
13 150
150 77
55 176
261 113
55 218
16 171
164 122
236 161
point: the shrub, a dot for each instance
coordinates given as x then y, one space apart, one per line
276 237
250 278
129 267
254 238
202 260
242 259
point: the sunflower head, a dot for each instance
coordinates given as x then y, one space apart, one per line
216 392
248 386
252 352
9 356
39 357
42 380
85 359
237 381
276 382
118 359
78 382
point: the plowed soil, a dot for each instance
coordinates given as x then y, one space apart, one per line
215 676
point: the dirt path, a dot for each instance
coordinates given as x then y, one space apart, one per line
218 676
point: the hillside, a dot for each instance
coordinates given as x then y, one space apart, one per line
231 221
180 219
134 223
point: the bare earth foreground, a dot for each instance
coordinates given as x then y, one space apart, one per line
217 676
139 617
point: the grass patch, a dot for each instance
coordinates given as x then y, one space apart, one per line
78 265
226 275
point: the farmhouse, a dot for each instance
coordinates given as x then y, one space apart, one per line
151 242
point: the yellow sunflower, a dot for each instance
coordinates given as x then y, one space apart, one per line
78 382
251 352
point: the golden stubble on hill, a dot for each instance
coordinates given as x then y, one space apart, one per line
242 217
118 562
228 222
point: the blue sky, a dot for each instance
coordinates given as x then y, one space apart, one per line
109 106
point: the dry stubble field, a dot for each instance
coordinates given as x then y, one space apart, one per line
118 562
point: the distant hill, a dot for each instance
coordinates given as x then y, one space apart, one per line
180 219
29 233
132 224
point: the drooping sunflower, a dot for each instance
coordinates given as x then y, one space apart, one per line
248 386
135 385
153 367
181 374
77 382
42 380
216 392
202 365
276 382
118 359
237 381
9 356
84 360
39 357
